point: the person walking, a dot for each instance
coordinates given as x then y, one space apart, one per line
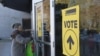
18 40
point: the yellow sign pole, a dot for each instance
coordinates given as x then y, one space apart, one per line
70 31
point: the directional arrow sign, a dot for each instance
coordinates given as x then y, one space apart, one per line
70 41
70 30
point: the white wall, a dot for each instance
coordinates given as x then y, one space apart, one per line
7 18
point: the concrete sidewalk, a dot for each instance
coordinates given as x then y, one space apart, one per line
5 47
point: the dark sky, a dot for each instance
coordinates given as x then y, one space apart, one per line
21 5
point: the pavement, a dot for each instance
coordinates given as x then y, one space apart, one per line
5 47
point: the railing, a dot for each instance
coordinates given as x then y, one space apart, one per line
5 39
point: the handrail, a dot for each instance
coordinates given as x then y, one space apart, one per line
43 42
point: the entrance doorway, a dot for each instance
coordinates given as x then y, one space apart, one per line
26 24
58 29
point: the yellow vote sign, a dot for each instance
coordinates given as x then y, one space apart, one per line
70 31
39 27
39 20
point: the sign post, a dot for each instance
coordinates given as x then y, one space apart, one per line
70 31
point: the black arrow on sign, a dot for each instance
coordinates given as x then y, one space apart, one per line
70 41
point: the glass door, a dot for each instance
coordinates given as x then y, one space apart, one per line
44 28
